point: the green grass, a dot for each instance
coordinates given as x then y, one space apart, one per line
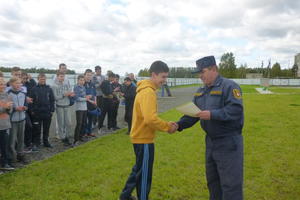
287 90
99 169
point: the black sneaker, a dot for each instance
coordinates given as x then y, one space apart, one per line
66 142
7 167
130 198
12 164
75 144
35 148
48 145
22 158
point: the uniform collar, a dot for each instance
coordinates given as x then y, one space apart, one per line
217 82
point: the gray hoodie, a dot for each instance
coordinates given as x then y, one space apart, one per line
4 113
19 99
59 89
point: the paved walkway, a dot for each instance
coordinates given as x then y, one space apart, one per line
180 96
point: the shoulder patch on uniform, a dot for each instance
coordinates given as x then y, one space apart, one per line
237 94
198 94
216 92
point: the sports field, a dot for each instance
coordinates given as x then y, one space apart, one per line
98 169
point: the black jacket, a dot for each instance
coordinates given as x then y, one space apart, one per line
30 85
43 101
106 88
129 95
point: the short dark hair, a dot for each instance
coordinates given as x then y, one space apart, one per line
111 75
80 76
15 69
117 75
62 64
42 74
127 79
88 71
97 67
158 67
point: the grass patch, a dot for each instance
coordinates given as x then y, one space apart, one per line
99 169
249 88
287 90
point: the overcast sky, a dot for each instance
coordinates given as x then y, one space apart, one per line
127 35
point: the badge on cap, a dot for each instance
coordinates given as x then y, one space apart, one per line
237 94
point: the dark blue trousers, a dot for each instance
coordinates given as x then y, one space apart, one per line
141 174
4 146
224 167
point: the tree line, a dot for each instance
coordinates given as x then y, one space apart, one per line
36 70
229 69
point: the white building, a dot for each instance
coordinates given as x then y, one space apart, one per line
297 61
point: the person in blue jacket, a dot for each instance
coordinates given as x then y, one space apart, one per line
222 118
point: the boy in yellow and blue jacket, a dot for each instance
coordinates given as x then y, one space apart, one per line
145 123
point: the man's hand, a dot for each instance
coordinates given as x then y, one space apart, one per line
9 105
20 108
29 100
204 115
174 127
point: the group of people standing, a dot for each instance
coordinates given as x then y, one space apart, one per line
27 107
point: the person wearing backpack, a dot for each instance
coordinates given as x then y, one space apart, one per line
41 111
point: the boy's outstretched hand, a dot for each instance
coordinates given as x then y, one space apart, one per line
174 127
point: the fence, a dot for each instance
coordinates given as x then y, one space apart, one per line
181 81
274 82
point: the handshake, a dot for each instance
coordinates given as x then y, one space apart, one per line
174 127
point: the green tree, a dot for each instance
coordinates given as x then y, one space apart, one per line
144 72
227 67
276 70
241 71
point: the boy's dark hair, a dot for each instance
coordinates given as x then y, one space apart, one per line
24 74
111 75
88 71
158 67
15 69
117 76
97 67
80 76
42 75
61 65
59 73
127 79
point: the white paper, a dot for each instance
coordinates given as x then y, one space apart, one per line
189 109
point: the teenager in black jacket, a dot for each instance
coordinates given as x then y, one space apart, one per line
107 91
129 95
42 109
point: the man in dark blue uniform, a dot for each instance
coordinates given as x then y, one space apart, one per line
222 118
